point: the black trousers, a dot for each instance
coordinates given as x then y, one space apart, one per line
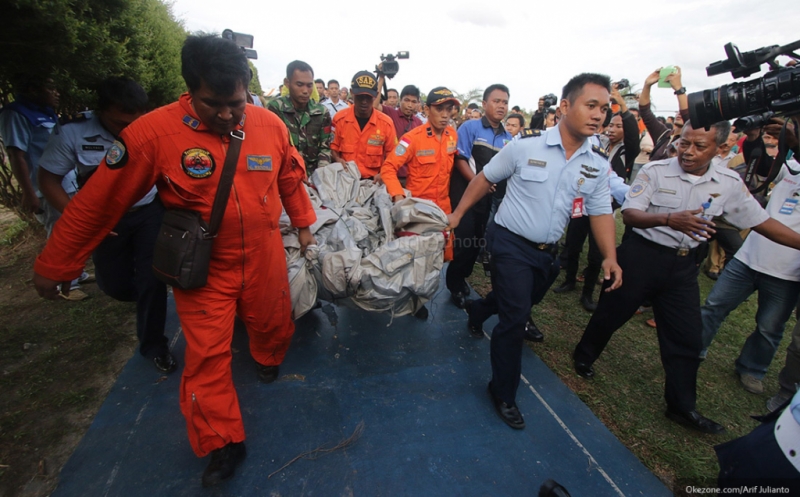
467 245
578 230
124 266
521 275
670 282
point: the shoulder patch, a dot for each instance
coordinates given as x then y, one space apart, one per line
190 121
117 155
636 190
600 151
527 133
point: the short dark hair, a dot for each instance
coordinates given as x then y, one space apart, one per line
392 89
218 62
488 91
515 109
519 117
334 81
124 93
575 85
411 91
721 129
318 80
472 105
298 65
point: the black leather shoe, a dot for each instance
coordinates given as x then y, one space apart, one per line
509 414
459 299
695 420
165 362
587 303
475 328
267 374
223 463
565 287
584 369
422 313
532 332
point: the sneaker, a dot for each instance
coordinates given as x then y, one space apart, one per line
777 401
165 362
74 295
751 383
86 278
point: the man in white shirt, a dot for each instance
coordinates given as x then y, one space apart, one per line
333 103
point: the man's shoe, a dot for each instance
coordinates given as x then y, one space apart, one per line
475 328
267 374
584 369
565 287
695 420
651 323
75 295
587 303
777 400
713 275
751 383
532 332
422 313
223 463
509 414
165 362
459 299
86 277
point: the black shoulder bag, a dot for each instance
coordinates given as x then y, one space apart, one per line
183 248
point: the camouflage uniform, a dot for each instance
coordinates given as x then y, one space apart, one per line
310 130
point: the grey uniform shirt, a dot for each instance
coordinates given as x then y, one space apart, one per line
543 185
81 146
663 187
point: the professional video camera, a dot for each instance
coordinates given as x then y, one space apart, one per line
244 41
549 100
754 102
390 64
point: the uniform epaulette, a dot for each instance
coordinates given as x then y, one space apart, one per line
73 118
600 151
527 133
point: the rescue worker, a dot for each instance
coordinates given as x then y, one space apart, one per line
428 151
662 255
360 133
123 261
309 122
181 148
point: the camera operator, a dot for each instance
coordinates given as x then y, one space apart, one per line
538 117
661 134
764 266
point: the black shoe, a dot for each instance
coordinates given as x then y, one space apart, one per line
165 362
695 420
532 332
422 313
459 299
587 303
475 328
267 374
509 414
223 463
584 369
713 275
565 287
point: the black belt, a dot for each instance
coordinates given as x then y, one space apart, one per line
680 252
550 248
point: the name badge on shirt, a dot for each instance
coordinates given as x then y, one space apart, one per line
425 153
577 207
537 163
259 163
788 206
93 148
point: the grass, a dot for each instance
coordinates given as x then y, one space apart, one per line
627 392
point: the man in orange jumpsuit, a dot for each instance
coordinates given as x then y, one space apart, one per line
181 148
429 151
360 133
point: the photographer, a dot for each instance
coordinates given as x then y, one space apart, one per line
538 118
659 132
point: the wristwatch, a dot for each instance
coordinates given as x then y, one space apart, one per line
680 91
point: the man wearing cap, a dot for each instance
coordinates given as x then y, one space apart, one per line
309 122
429 152
361 134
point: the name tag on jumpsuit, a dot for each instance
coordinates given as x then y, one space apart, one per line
259 163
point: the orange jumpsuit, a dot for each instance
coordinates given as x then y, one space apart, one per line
368 147
172 149
430 162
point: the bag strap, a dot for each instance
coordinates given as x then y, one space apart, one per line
225 182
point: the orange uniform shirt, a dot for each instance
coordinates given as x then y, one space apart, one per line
368 147
430 162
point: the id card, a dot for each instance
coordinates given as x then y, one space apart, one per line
577 207
788 206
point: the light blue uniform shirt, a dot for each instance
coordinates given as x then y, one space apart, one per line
542 185
80 146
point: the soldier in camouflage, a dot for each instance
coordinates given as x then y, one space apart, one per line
309 123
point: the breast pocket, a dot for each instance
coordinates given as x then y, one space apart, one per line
185 194
426 167
535 174
90 159
665 202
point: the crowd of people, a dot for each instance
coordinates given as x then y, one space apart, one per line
510 189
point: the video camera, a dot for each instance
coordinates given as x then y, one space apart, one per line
549 100
754 102
244 41
390 64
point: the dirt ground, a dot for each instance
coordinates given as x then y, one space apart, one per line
58 360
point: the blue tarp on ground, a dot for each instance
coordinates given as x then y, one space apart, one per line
418 387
